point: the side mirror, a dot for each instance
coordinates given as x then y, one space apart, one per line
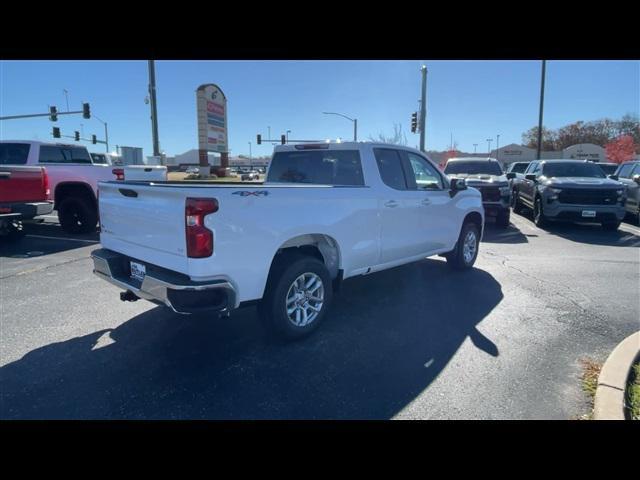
457 184
613 177
531 176
636 178
511 175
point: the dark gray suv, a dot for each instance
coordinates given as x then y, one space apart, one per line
570 190
629 174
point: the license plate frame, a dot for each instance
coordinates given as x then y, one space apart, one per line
588 214
137 270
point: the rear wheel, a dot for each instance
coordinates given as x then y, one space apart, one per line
610 226
466 251
297 297
515 202
502 220
77 215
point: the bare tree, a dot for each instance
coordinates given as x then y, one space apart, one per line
398 137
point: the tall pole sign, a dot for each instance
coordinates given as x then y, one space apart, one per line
212 124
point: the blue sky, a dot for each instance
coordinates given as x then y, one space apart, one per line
473 100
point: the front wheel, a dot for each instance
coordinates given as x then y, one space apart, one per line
297 298
538 215
515 202
466 251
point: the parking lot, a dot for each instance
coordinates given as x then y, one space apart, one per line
502 341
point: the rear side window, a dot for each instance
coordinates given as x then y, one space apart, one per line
327 167
14 153
390 167
625 170
63 154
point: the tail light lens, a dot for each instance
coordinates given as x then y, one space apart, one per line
199 238
119 173
45 184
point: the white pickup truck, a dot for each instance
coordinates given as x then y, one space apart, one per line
326 212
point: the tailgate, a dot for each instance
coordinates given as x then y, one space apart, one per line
145 222
22 184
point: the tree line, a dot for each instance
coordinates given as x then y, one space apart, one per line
599 132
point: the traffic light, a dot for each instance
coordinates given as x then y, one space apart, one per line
283 139
56 132
414 122
77 135
86 111
94 140
259 139
53 114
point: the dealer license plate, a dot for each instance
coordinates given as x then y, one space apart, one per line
589 213
138 271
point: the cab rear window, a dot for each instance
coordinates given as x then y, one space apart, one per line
320 167
14 153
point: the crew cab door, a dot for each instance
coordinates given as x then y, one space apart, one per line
625 175
527 188
401 210
437 219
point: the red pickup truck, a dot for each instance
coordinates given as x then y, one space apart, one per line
24 195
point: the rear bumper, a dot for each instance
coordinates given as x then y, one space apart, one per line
31 209
165 287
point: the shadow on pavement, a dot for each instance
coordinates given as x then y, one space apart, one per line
389 335
44 239
495 234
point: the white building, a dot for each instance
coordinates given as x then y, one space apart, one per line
585 151
192 157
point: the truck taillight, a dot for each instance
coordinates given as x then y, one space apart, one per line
199 238
119 173
45 184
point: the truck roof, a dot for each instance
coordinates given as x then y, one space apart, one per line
39 142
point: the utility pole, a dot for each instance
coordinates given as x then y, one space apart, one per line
423 107
475 147
544 65
154 110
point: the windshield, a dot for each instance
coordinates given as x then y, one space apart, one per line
572 169
609 169
519 167
473 168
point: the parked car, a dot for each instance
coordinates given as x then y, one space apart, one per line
608 168
73 177
106 158
24 195
251 175
629 174
570 190
192 170
326 212
487 176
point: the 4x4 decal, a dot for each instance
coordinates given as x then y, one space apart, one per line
246 193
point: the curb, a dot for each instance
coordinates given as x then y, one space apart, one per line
612 383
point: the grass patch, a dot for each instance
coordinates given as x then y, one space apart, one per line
590 372
633 393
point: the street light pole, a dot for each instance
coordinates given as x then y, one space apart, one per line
106 132
354 120
544 65
423 107
154 110
288 132
66 95
475 147
250 159
498 147
489 140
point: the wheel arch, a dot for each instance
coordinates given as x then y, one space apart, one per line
318 245
67 189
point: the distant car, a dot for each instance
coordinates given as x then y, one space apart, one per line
253 175
487 176
608 168
192 170
570 190
629 174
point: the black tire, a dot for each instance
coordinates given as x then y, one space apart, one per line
610 226
515 202
456 258
273 309
15 232
502 220
538 214
77 215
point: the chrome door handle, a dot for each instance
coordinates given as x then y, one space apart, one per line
391 204
426 202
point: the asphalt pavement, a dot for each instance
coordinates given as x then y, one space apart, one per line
502 341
